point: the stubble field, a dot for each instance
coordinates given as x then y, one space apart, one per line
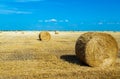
24 56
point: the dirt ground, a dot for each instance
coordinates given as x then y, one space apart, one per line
24 56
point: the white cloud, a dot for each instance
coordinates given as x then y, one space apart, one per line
22 12
66 20
52 20
5 11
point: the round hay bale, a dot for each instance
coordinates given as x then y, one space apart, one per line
56 32
22 32
44 36
96 49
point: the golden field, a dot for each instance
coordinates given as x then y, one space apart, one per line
24 56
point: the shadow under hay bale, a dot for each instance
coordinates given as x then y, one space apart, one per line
96 49
44 36
72 59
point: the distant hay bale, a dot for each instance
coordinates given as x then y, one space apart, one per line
56 32
22 32
97 49
16 31
44 36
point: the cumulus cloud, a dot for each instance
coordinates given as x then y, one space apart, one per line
5 11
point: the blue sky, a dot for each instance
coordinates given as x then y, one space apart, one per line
60 15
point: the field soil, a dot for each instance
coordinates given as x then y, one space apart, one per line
24 56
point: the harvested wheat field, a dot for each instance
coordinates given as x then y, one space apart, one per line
24 56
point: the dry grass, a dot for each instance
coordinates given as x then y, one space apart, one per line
23 56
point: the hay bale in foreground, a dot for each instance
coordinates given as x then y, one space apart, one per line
44 36
97 49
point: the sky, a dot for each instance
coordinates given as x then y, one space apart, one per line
77 15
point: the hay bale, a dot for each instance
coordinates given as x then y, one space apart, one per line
56 32
44 36
22 32
97 49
